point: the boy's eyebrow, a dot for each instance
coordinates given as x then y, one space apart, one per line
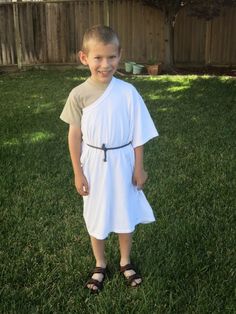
110 55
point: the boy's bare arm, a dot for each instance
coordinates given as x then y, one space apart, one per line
140 175
74 141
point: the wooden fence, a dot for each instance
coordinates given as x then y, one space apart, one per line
51 32
206 42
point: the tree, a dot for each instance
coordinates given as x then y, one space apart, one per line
206 9
170 9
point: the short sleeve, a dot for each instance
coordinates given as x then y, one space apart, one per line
143 125
72 112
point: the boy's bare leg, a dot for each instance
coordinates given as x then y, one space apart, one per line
125 241
98 247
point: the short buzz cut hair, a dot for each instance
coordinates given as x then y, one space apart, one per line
101 33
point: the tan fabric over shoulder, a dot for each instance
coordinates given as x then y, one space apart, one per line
80 97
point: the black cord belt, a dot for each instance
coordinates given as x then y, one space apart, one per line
105 149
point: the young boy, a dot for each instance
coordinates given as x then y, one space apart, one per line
108 125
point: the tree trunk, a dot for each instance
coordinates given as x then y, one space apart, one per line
169 44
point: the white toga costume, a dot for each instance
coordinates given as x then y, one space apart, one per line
117 117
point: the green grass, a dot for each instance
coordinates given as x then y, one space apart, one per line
186 257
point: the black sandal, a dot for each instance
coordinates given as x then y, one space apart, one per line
132 278
98 284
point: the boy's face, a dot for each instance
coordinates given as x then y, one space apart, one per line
102 60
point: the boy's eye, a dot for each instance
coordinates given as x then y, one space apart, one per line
110 57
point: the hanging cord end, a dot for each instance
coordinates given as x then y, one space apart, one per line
105 152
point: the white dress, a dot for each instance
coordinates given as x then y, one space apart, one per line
116 118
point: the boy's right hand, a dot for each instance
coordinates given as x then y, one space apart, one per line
81 185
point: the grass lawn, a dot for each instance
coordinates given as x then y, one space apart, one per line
186 257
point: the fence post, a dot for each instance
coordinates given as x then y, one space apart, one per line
17 35
208 42
106 12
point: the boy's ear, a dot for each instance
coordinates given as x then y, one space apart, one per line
83 57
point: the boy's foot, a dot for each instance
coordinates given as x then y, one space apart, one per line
130 274
95 283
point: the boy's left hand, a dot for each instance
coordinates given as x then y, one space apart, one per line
139 178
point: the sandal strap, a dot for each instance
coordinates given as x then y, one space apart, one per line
133 277
127 267
99 270
96 283
130 279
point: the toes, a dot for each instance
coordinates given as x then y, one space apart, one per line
92 287
97 276
136 282
129 273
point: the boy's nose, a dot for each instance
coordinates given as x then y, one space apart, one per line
105 62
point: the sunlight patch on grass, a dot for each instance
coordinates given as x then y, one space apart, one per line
11 142
163 109
154 97
177 88
49 106
32 138
35 96
77 78
195 119
38 137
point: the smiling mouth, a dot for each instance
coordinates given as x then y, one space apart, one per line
105 72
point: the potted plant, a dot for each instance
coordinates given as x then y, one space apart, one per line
129 66
154 67
137 68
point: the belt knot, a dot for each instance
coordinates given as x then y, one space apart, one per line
105 149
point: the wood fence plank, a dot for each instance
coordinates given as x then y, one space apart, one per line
18 40
10 36
3 32
44 41
72 34
51 32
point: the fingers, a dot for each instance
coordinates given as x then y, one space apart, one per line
82 186
83 191
139 187
139 180
86 187
134 181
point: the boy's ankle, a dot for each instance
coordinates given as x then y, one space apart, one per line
124 262
101 264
